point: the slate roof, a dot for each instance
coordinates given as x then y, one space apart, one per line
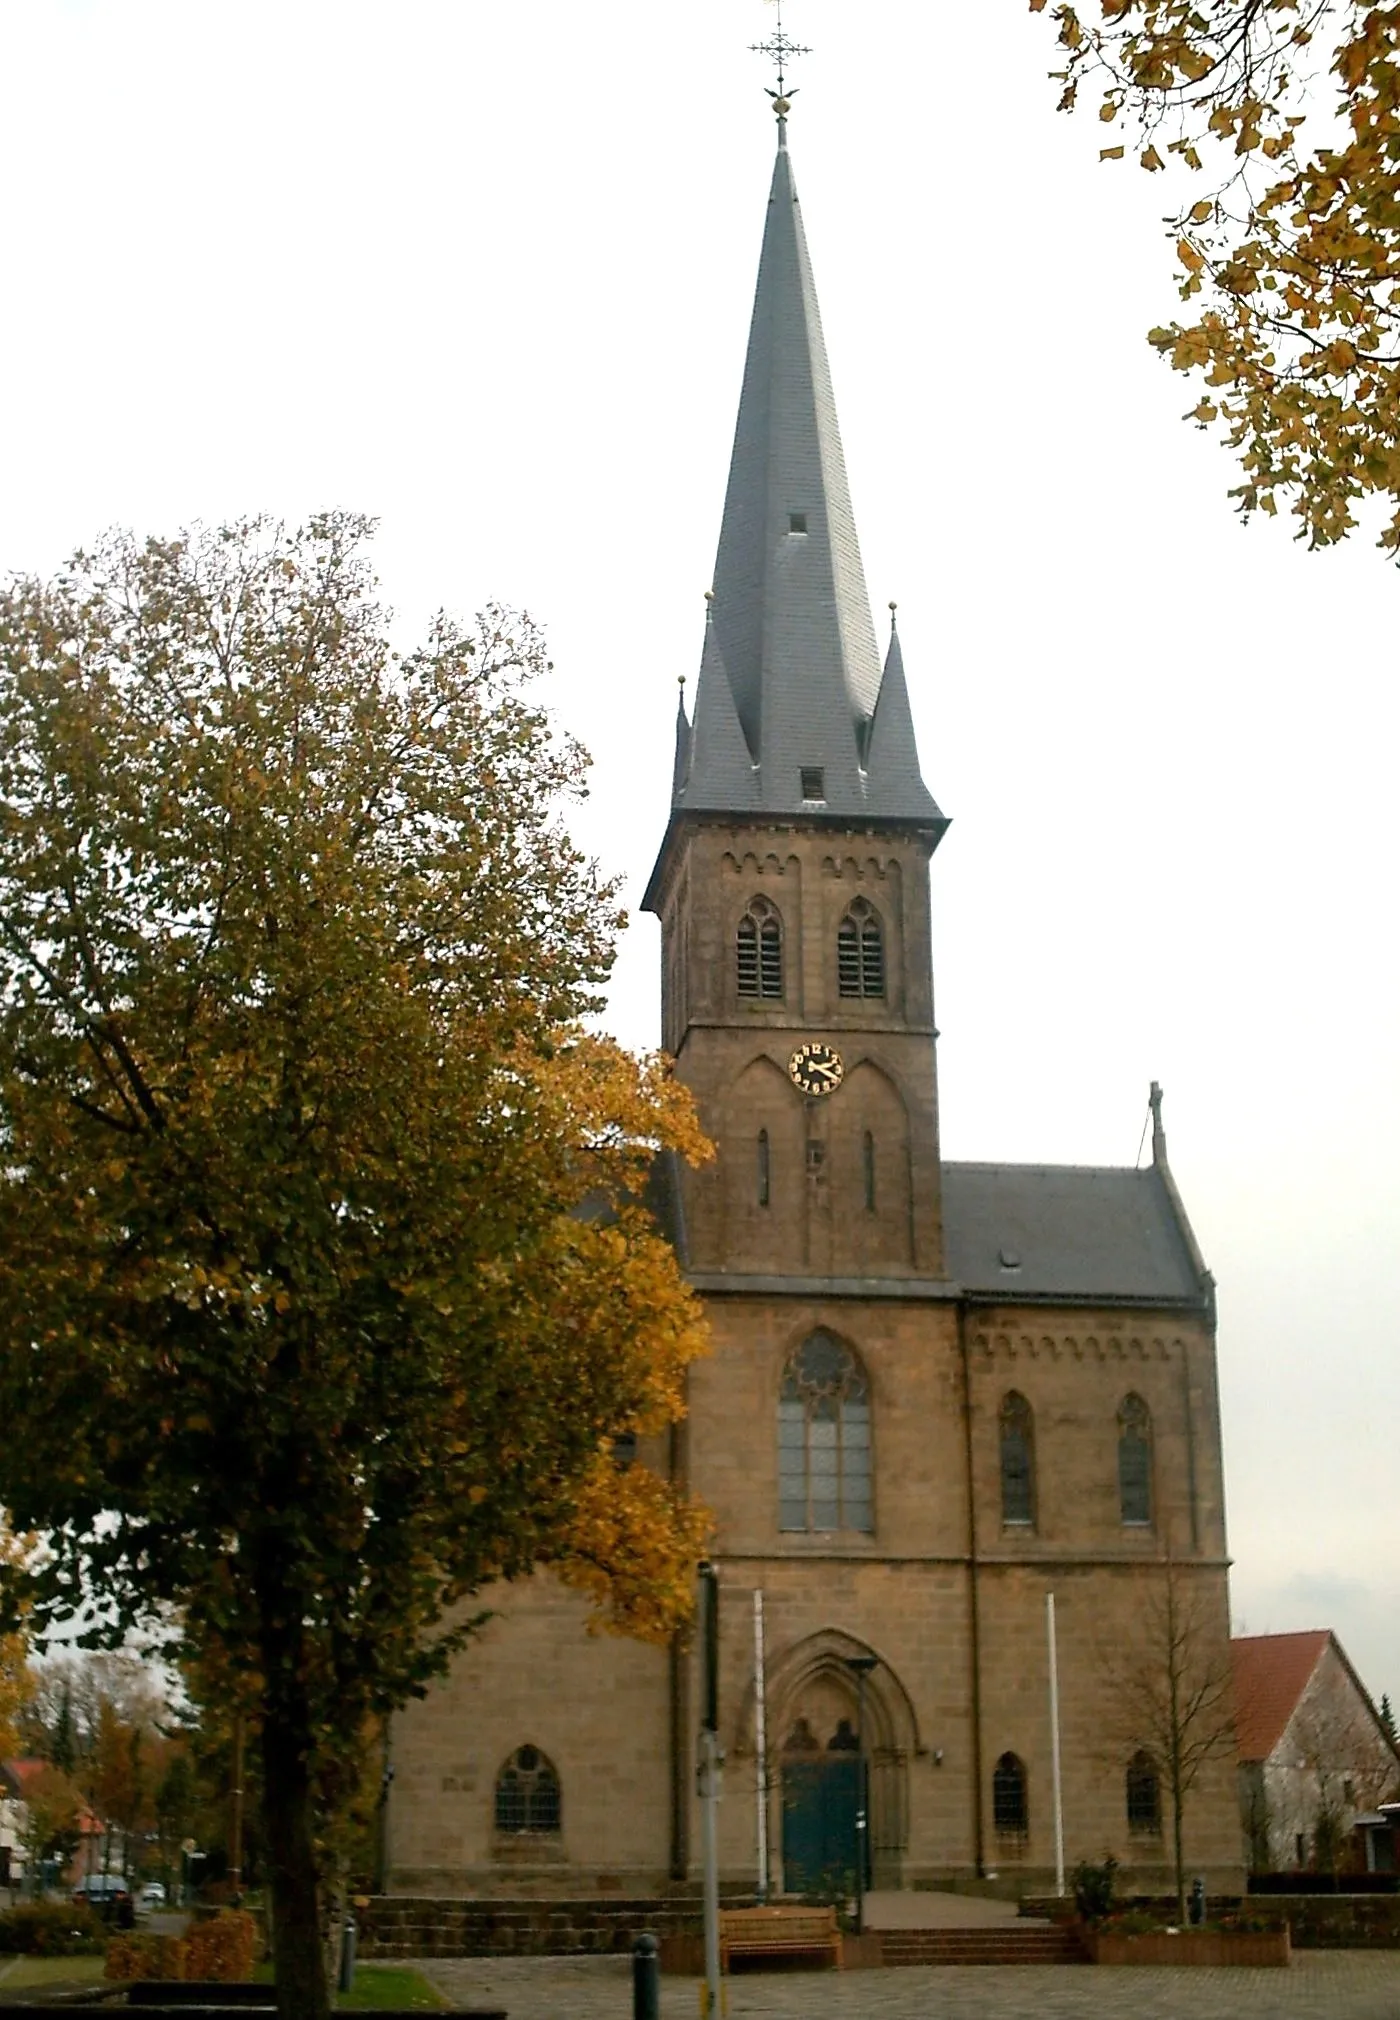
1028 1232
791 679
1271 1674
1019 1231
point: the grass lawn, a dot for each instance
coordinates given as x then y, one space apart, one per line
20 1973
388 1985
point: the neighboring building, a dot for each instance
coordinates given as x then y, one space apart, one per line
17 1777
1316 1763
937 1393
11 1825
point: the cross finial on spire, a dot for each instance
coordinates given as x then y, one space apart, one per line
1159 1135
780 47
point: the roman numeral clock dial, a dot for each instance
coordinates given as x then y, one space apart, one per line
816 1069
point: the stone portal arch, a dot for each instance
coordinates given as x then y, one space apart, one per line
812 1700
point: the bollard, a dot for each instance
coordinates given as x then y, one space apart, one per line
646 1979
346 1980
1198 1902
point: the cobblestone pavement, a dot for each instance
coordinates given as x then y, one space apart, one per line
1319 1985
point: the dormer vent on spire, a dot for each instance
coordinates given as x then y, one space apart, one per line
791 689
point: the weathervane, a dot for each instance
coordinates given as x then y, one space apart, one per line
780 47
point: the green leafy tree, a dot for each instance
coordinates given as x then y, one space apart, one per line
1285 115
1387 1717
323 1283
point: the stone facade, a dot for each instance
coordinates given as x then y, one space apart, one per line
947 1593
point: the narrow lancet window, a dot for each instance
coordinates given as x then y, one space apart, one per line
765 1174
1017 1462
1144 1796
1135 1463
758 951
868 1155
1010 1811
860 952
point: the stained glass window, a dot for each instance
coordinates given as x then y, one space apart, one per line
824 1471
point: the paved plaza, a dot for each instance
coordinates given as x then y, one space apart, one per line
1319 1985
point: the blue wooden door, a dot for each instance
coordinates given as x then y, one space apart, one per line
820 1797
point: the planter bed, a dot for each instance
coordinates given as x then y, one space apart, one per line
1212 1947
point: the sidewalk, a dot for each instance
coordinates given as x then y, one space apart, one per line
1320 1985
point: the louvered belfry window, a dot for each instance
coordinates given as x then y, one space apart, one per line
860 952
759 952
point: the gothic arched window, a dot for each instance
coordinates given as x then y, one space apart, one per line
1017 1461
1010 1815
765 1169
860 951
824 1475
1144 1796
868 1150
527 1793
1135 1462
759 951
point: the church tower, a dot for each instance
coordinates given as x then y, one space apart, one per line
793 881
939 1395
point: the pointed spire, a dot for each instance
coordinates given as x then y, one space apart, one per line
791 607
721 775
682 763
894 784
792 714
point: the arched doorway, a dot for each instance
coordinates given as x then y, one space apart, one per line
814 1784
811 1689
821 1795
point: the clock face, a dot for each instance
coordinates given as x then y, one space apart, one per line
816 1069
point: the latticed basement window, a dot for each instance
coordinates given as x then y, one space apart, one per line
1010 1815
1017 1462
527 1793
860 952
1135 1462
759 952
824 1472
1144 1796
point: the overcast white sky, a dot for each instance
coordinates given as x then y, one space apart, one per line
485 270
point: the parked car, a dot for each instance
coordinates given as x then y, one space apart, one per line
108 1893
152 1895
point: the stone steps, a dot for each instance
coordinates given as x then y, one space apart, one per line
1011 1945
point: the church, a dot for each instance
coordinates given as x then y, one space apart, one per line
937 1393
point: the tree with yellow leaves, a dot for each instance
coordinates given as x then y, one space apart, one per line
324 1282
1288 111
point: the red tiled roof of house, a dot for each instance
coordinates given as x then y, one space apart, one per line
22 1771
1271 1672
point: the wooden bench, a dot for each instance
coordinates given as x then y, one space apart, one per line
779 1932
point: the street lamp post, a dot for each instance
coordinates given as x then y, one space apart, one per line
861 1666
